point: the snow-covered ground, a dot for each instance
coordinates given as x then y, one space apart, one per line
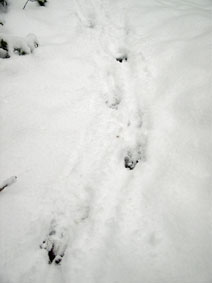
72 117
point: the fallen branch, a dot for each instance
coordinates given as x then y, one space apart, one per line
8 182
26 4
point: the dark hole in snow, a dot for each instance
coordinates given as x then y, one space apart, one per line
54 257
51 255
122 58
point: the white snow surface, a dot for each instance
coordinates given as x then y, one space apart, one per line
70 112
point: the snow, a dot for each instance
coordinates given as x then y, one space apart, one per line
71 113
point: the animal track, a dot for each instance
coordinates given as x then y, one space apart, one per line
134 156
130 161
114 103
55 243
122 58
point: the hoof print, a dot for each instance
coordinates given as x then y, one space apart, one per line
114 103
51 255
135 155
55 245
129 163
122 58
58 259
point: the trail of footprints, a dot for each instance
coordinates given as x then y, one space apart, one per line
135 154
56 241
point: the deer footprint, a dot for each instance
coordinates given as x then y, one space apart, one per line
55 243
133 157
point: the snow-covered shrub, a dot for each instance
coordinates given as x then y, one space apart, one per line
4 48
3 53
17 45
3 44
42 2
23 46
3 5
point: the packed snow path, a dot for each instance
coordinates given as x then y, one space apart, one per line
107 127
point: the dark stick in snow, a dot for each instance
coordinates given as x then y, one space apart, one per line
25 4
8 182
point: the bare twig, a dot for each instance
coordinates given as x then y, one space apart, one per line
26 4
8 182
